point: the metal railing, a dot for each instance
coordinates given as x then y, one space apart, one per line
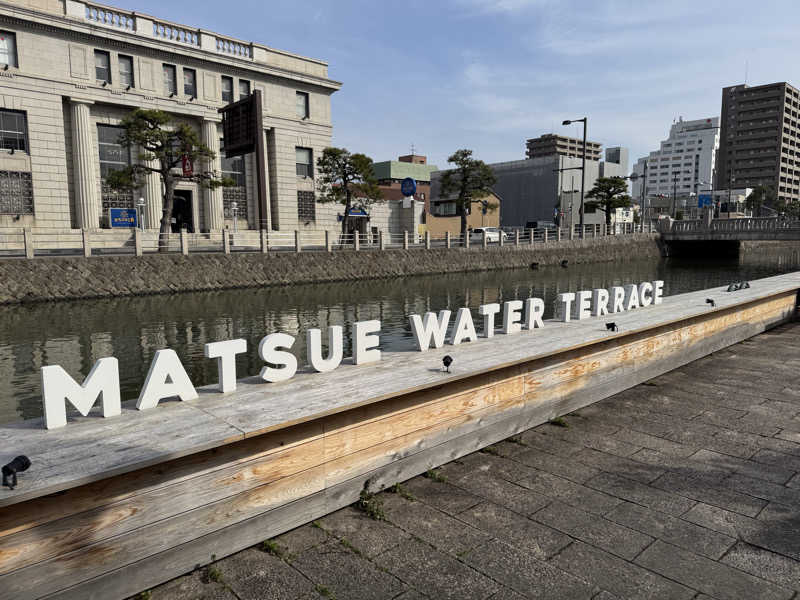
29 243
732 225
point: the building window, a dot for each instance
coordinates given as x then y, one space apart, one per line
304 166
125 70
244 89
190 83
113 157
102 66
16 193
302 106
8 48
13 130
444 209
234 168
227 89
306 206
170 80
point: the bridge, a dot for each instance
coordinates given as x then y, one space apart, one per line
747 229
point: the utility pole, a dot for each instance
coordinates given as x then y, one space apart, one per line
583 161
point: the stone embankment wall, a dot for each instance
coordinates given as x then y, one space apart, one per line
44 279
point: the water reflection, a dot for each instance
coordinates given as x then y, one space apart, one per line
75 334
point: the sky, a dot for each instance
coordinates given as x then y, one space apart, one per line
488 74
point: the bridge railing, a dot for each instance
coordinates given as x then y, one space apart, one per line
747 224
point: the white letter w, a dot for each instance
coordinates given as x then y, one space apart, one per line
429 329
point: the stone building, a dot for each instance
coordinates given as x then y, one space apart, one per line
72 70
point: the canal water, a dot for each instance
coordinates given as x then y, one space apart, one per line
75 334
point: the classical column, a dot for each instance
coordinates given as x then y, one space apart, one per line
215 219
153 197
84 158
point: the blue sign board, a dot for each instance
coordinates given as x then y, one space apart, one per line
408 187
703 200
123 217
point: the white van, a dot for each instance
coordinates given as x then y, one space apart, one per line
492 234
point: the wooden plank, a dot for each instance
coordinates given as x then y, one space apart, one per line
94 448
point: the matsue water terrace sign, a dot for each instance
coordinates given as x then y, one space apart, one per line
167 377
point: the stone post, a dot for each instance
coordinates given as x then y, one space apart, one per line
427 240
153 198
84 158
137 242
467 235
594 230
571 231
215 219
184 243
226 241
27 235
381 240
558 234
356 241
544 238
264 241
532 238
516 237
87 243
485 239
500 241
405 240
447 239
328 243
297 246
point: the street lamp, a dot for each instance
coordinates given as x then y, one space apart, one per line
634 177
140 205
583 161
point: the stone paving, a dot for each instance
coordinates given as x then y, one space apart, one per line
684 487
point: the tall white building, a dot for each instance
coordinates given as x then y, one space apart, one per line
684 164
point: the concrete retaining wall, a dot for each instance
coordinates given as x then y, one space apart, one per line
43 279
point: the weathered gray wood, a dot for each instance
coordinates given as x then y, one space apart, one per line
92 448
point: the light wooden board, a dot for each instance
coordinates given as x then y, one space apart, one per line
92 448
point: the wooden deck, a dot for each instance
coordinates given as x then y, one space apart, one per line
147 495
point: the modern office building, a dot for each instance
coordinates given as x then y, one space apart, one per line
684 165
760 139
535 190
551 144
73 70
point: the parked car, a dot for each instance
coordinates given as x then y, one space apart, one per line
492 234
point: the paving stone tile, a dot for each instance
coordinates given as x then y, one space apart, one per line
779 530
672 530
514 529
496 466
410 595
749 468
765 564
442 495
594 530
708 576
431 525
604 443
709 492
346 574
512 496
660 444
789 435
622 578
634 491
525 574
548 442
191 587
368 536
680 465
569 492
632 469
253 574
777 459
764 489
794 482
300 539
724 521
434 573
557 465
507 594
604 595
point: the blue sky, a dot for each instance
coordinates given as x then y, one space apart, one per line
488 74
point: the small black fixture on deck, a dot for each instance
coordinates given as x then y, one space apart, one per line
534 266
711 302
18 465
447 361
612 327
734 287
565 263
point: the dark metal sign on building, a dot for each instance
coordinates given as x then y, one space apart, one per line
243 133
239 127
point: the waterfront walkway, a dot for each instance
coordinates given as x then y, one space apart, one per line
686 486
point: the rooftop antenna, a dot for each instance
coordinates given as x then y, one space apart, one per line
412 149
746 66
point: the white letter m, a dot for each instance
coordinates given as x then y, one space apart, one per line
58 387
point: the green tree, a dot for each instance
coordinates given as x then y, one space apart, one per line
609 194
347 179
790 209
163 145
762 195
469 182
